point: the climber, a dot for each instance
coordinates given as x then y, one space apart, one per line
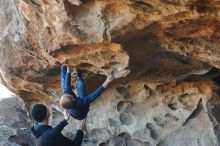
78 107
46 135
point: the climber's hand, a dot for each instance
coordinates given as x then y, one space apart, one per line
110 78
107 81
82 125
66 115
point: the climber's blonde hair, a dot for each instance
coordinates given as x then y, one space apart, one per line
67 101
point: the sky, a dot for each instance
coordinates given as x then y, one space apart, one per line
4 92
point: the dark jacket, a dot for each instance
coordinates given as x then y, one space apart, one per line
47 136
80 108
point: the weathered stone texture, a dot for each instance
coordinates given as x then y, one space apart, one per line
170 97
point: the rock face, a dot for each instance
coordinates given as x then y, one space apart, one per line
14 129
170 97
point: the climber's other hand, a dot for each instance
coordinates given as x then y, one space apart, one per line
107 81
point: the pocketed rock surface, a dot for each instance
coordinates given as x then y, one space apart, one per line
171 47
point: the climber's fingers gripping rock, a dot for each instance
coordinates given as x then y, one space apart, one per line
107 81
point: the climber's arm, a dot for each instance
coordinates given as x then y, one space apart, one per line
107 81
90 98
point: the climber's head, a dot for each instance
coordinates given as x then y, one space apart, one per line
39 113
67 101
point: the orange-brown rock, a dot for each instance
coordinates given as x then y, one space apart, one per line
171 48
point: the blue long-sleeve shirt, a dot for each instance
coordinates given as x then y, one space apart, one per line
81 106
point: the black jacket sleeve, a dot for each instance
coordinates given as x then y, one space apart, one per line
77 141
61 126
